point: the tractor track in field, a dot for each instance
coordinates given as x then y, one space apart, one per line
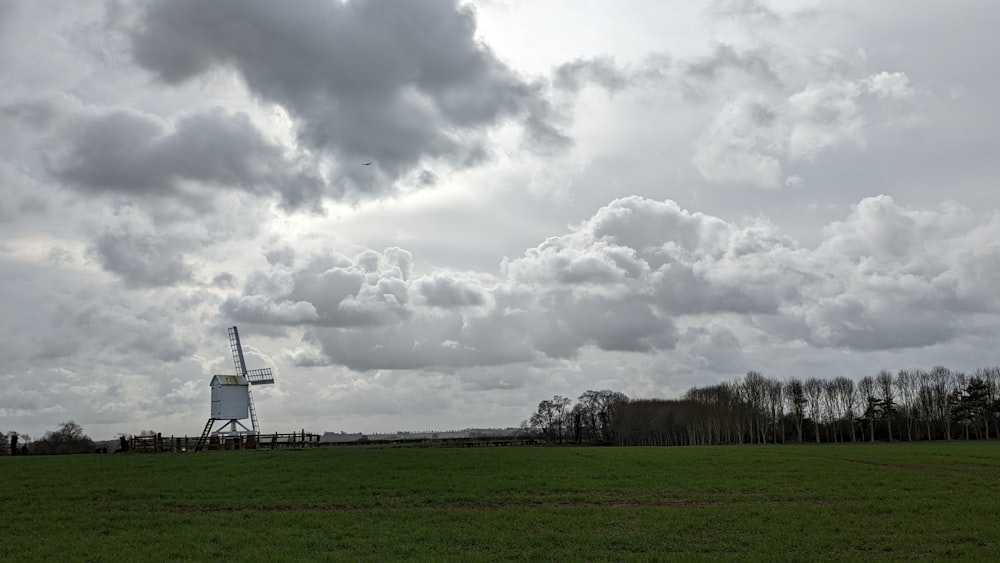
477 506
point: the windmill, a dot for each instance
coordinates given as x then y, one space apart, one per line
232 400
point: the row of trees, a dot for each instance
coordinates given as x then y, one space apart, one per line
13 443
911 404
68 439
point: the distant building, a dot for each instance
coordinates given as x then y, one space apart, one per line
444 434
337 437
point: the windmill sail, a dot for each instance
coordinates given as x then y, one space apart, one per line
234 343
253 376
259 376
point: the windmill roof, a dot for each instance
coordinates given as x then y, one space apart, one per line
228 380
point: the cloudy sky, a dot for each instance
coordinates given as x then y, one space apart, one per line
432 215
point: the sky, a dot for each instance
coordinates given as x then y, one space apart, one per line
433 215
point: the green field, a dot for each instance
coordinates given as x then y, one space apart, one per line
847 502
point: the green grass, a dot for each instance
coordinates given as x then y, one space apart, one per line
846 502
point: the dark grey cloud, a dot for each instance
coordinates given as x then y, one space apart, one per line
76 348
393 82
141 259
7 17
284 256
123 330
123 151
144 250
63 318
224 280
14 399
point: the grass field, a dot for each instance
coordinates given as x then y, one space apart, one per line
847 502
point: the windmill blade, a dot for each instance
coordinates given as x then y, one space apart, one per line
234 343
260 376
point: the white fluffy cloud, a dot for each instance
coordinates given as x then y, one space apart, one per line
886 277
755 137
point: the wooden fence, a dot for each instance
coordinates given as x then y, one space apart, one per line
167 444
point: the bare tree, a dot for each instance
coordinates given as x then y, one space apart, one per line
755 408
796 398
755 393
814 395
657 422
866 394
776 406
884 383
925 402
906 383
846 401
588 407
713 412
975 406
831 409
551 419
991 376
609 404
942 385
68 439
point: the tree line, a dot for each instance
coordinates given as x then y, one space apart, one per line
907 405
69 438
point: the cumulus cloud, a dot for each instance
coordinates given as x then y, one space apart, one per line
891 85
624 279
395 83
330 290
899 277
755 136
446 292
742 145
824 116
769 107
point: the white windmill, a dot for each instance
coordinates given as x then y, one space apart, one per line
231 397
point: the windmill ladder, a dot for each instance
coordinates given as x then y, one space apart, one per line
253 412
204 435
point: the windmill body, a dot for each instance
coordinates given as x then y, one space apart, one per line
232 401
